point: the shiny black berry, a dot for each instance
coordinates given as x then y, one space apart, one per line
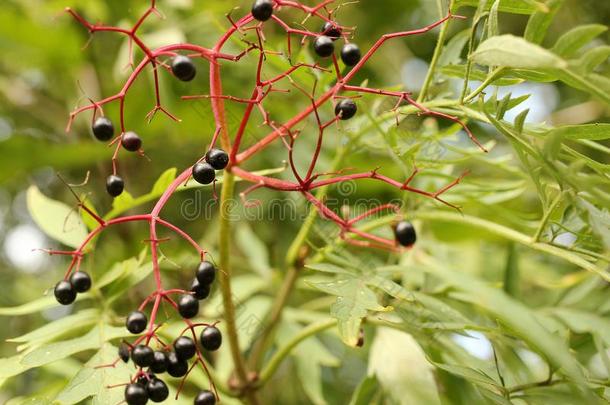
331 30
323 46
203 173
217 158
200 291
262 10
142 356
183 68
205 398
206 272
81 281
405 233
188 306
185 347
175 366
64 292
136 322
157 390
345 109
114 185
350 54
136 394
144 378
131 141
211 338
124 352
102 128
159 364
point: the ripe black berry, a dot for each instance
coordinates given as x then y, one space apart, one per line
324 46
188 306
211 338
144 378
200 291
206 272
217 158
159 364
136 322
405 233
331 30
203 173
157 390
135 394
142 356
185 347
183 68
64 292
114 185
131 141
262 10
102 128
175 366
124 352
81 281
205 398
345 109
350 54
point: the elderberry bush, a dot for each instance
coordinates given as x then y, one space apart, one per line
275 201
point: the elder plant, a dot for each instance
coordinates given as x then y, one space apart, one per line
337 59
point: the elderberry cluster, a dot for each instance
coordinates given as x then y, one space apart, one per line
174 359
66 290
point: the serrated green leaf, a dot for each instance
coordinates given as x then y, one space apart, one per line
569 43
593 132
56 219
515 52
520 120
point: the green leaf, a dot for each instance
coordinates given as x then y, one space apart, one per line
584 322
163 182
569 43
539 22
599 220
506 6
511 51
31 307
477 74
365 392
477 377
453 49
593 58
593 132
92 381
56 219
123 202
401 368
254 249
354 300
520 120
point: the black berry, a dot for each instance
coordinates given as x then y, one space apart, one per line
81 281
206 272
323 46
157 390
64 292
131 141
262 10
185 347
200 291
188 306
159 364
114 185
135 394
136 322
211 338
205 398
124 352
345 109
350 54
183 68
405 233
331 30
203 173
102 128
142 356
175 366
144 378
217 158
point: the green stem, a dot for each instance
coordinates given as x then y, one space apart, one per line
241 373
545 218
435 57
491 77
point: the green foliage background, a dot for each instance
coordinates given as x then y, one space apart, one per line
500 267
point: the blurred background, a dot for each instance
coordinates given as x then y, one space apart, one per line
50 65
